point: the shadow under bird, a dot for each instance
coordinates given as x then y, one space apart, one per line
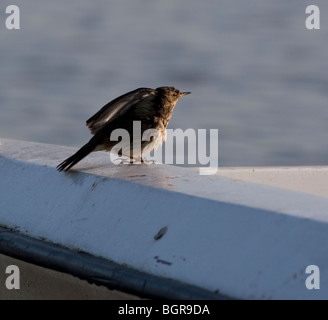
152 107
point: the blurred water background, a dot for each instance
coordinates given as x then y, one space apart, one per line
255 72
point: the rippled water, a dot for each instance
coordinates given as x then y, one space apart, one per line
255 72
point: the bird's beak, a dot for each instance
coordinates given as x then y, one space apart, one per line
184 93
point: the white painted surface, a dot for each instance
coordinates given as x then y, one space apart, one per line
246 240
312 180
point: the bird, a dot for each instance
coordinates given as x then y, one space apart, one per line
151 107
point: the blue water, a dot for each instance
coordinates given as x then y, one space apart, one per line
255 72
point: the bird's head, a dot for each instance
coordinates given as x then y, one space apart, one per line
170 94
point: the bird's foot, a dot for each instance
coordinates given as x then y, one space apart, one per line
145 161
132 161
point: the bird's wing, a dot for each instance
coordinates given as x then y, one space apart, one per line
116 108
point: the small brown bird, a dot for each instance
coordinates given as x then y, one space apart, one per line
152 107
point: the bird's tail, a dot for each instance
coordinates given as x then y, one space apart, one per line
75 158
